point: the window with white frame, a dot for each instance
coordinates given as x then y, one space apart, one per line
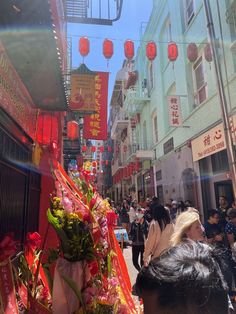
150 77
199 81
189 11
154 128
166 37
144 143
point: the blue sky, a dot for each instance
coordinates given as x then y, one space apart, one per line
135 13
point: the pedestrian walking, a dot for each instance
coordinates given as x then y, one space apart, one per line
160 231
138 234
124 216
185 279
187 226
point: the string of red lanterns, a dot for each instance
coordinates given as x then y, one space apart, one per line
151 50
126 172
94 149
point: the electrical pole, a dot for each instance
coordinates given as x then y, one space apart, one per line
221 94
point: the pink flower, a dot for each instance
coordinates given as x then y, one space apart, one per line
66 202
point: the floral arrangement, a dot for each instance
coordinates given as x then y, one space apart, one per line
82 225
26 278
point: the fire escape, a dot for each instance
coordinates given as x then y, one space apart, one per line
93 11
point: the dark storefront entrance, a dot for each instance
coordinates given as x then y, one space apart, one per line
19 181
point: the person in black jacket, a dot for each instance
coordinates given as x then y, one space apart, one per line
138 234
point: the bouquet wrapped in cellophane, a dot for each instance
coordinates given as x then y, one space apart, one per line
84 280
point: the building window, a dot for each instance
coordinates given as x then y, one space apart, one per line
150 78
219 162
189 11
166 37
154 128
199 81
144 143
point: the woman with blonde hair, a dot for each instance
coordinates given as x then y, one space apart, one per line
187 226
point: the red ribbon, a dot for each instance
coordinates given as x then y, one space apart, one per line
36 307
118 263
7 289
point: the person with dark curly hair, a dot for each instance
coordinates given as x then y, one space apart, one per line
186 279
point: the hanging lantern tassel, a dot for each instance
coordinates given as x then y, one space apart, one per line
84 46
151 50
129 49
108 49
172 52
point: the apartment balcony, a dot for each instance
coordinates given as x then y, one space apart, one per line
231 13
141 151
93 11
135 100
120 123
116 166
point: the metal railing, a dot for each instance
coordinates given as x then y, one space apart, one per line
99 12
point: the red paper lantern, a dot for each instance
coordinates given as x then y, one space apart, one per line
208 53
151 50
72 130
93 149
84 46
47 129
108 48
129 49
172 51
192 52
101 149
84 148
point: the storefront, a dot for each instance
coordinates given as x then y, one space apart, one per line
19 179
210 156
30 81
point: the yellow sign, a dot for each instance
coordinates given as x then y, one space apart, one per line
83 93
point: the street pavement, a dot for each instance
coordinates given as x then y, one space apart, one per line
127 253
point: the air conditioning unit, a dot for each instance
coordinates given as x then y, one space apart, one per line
233 46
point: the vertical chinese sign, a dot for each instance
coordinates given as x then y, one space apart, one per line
83 90
95 125
174 110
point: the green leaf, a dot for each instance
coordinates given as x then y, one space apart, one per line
49 277
72 284
58 228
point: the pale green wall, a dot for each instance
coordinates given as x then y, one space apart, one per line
204 115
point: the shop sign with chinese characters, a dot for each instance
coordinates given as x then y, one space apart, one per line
174 111
210 142
14 97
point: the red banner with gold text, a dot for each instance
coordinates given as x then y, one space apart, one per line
7 289
95 125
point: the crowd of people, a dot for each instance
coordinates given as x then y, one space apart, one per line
187 263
